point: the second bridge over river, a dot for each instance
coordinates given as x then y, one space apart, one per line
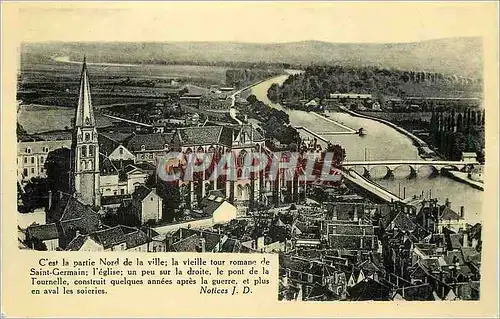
413 167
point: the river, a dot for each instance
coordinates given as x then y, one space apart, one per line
382 142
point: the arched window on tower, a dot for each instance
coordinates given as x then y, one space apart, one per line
87 136
84 150
91 150
241 157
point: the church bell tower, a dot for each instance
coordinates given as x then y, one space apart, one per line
85 147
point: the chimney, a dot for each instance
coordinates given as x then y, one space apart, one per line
334 217
61 195
50 200
462 211
355 213
447 203
77 233
202 244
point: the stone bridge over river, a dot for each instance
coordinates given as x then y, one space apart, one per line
365 167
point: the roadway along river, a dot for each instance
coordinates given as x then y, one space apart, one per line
382 142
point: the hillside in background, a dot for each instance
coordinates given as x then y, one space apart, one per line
453 56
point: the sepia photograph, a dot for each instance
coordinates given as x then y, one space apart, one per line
356 157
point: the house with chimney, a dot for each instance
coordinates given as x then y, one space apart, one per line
435 217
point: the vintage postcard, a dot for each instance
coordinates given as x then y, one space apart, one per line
249 159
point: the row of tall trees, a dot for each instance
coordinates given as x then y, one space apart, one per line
457 132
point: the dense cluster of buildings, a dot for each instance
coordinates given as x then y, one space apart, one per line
416 251
343 248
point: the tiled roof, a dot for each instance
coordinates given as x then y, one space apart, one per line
304 265
140 193
471 255
43 232
109 237
231 246
153 141
369 290
77 216
189 244
403 222
454 241
205 135
417 293
135 238
211 239
430 264
369 268
149 231
59 202
353 242
107 144
86 224
453 257
210 203
106 166
427 249
76 209
352 229
448 214
77 243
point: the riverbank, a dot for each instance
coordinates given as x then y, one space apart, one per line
416 140
463 178
348 129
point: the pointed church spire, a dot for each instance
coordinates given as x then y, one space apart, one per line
84 111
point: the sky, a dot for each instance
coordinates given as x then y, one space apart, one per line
250 21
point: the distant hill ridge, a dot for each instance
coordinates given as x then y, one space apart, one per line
461 56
